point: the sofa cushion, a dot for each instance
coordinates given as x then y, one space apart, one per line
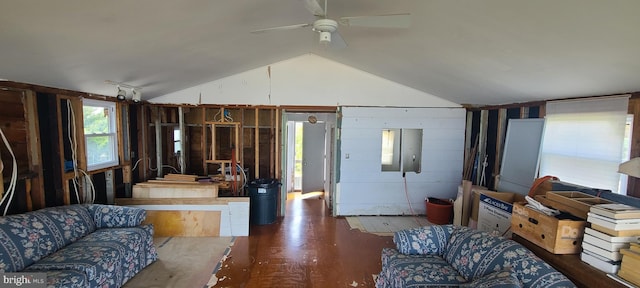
476 254
26 238
498 279
401 270
112 216
66 279
108 257
73 221
430 240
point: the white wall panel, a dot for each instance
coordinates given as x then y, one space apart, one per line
305 80
365 190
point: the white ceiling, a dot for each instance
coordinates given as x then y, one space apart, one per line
465 51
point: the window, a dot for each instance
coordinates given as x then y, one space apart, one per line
390 150
401 148
100 133
176 140
583 141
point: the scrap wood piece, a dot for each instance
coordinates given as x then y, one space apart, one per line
181 177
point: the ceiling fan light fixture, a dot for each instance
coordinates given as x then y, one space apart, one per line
325 37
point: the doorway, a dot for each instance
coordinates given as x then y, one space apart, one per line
309 153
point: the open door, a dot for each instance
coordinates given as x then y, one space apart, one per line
313 155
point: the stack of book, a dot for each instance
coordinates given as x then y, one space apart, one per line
630 263
613 227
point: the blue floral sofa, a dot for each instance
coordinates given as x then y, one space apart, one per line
456 256
83 245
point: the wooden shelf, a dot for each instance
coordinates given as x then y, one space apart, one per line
580 273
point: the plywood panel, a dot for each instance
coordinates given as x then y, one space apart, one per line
174 190
184 223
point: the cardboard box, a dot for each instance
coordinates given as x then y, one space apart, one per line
492 210
554 235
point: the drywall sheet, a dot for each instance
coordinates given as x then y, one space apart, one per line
521 155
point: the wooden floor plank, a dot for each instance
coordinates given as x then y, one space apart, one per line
307 248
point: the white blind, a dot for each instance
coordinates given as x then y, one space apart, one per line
583 141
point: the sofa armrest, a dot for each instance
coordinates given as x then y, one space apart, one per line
112 216
427 240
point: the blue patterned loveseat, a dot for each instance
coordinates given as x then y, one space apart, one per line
457 256
78 245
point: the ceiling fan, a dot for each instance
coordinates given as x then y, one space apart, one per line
328 28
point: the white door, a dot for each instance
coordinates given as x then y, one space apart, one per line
313 155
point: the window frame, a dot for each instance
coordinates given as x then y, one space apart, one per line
113 134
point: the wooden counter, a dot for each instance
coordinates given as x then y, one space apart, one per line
190 209
191 217
582 274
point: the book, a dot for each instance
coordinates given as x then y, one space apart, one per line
629 259
632 254
621 281
634 247
609 255
609 238
629 275
613 220
616 210
599 263
615 233
629 264
622 224
604 244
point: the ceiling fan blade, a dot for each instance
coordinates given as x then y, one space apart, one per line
314 8
289 27
337 42
379 21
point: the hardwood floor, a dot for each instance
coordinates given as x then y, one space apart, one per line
307 248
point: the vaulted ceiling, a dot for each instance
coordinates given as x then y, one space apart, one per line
466 51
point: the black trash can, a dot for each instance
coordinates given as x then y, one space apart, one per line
263 201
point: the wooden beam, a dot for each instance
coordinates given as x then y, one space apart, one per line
502 127
482 143
76 105
272 146
241 144
278 148
213 142
203 141
183 136
66 200
143 141
158 128
256 144
35 152
120 132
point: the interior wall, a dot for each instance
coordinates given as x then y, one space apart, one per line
364 190
307 80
